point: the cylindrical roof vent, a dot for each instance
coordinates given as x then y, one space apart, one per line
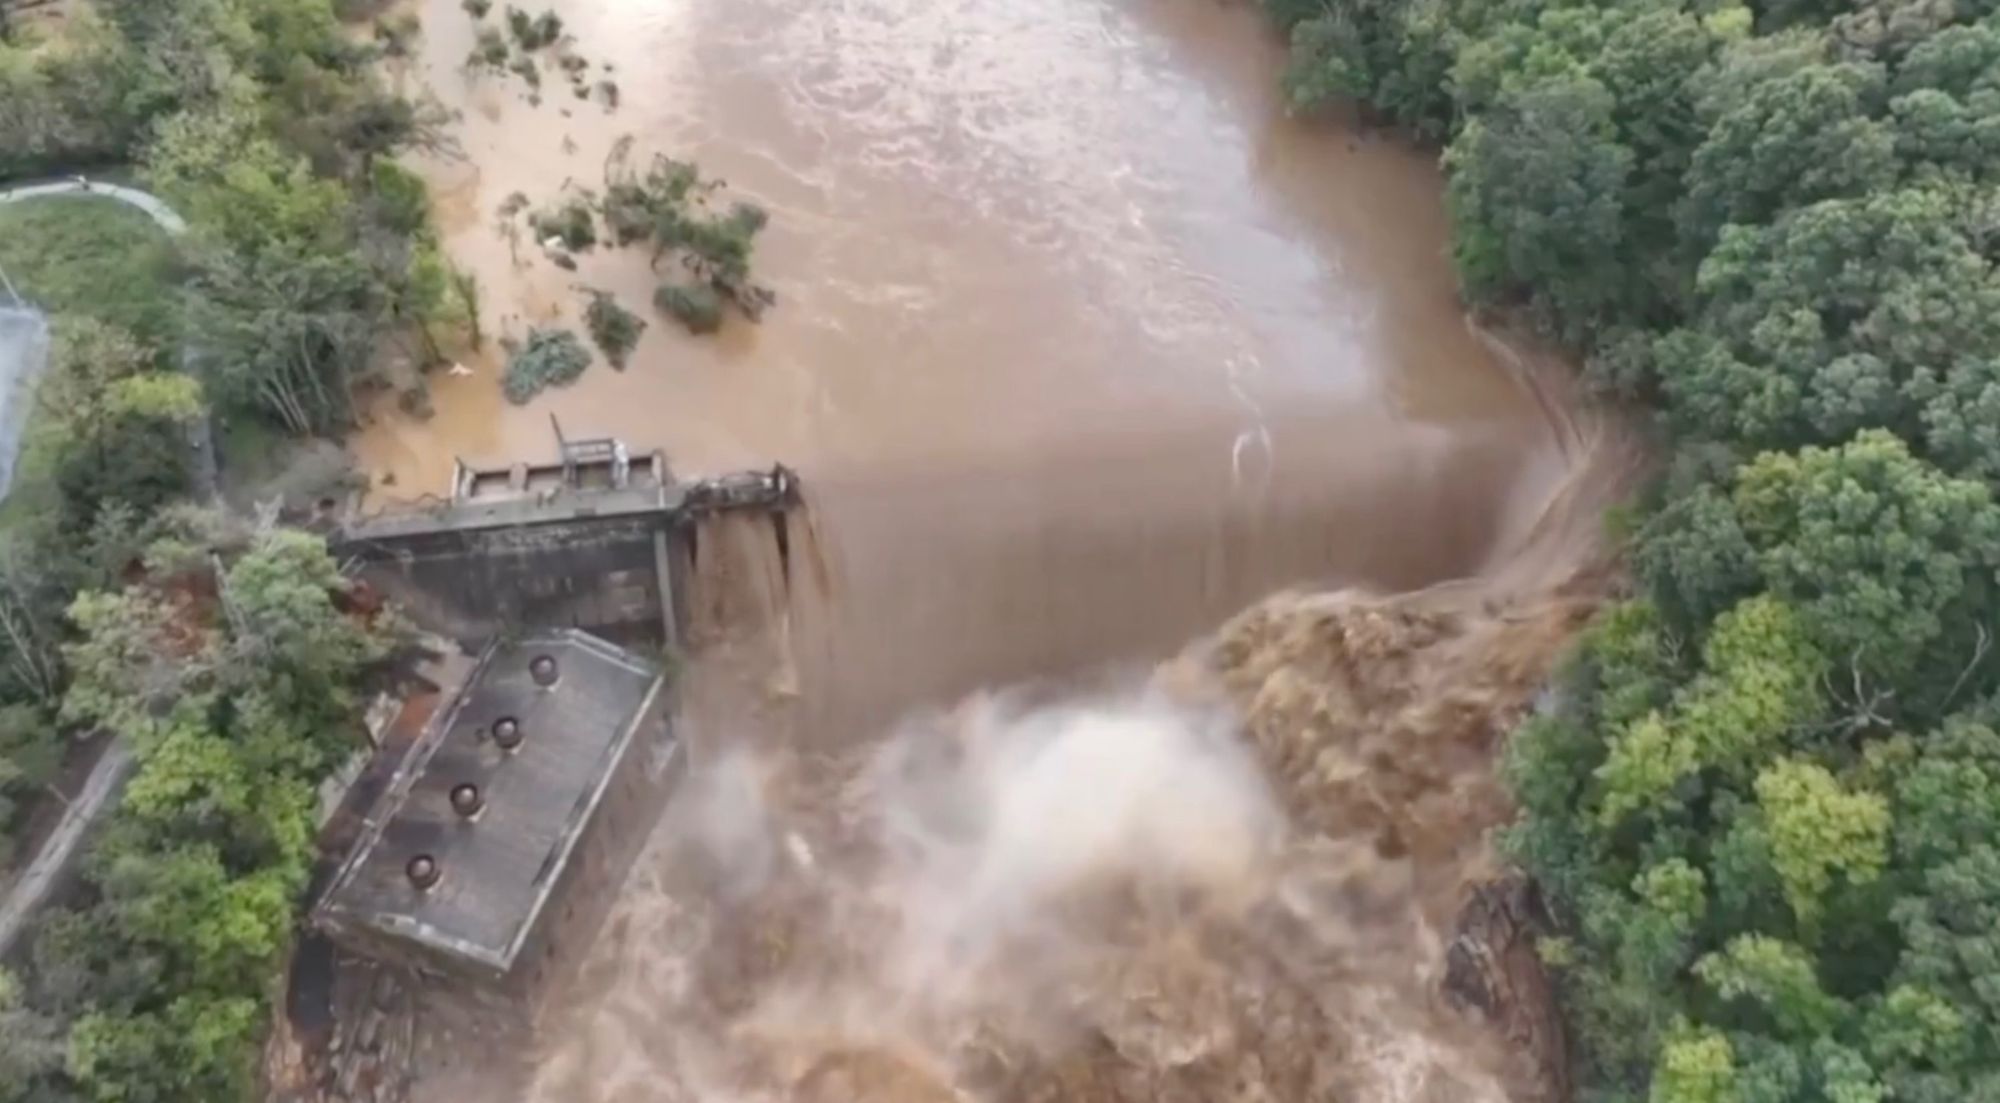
466 800
423 872
507 733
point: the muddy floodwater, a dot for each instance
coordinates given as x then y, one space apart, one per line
1082 345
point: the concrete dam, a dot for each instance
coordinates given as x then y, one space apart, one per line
600 541
494 819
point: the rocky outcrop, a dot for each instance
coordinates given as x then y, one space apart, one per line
364 1052
1492 970
1382 719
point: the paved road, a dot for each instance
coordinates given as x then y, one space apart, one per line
200 433
24 896
145 201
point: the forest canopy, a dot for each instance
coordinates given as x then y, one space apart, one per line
1766 808
227 657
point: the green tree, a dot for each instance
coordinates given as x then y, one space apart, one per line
1779 978
195 1048
1696 1066
1818 829
1694 554
1789 139
1535 197
1888 560
286 335
135 654
281 597
1760 681
1394 54
65 102
213 931
1649 63
31 1047
1837 317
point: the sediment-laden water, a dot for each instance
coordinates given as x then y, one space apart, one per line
1083 346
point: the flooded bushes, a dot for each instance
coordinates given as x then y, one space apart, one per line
615 329
532 33
489 50
397 35
573 222
671 207
696 307
548 358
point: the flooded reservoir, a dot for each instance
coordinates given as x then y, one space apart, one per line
1082 346
1081 342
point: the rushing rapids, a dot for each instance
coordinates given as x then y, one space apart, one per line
1083 347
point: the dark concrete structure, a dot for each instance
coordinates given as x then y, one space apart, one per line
516 549
499 841
511 822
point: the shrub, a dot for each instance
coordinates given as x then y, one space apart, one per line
615 329
524 67
398 34
572 221
548 358
698 307
490 51
548 28
534 32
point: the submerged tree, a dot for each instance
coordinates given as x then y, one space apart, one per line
671 207
615 329
548 358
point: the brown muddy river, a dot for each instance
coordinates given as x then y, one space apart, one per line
1081 342
1082 345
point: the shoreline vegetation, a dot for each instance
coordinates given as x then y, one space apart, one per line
229 656
1766 810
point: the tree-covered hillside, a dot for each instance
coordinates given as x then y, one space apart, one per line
227 656
1767 809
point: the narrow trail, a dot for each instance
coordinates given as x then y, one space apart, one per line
44 872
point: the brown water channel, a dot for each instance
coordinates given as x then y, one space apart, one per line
1082 343
1082 346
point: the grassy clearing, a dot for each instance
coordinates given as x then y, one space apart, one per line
92 257
79 254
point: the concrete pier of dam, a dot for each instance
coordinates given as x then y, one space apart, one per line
596 541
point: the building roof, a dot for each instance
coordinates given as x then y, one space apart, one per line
497 867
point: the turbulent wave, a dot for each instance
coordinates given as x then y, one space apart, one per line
1232 876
